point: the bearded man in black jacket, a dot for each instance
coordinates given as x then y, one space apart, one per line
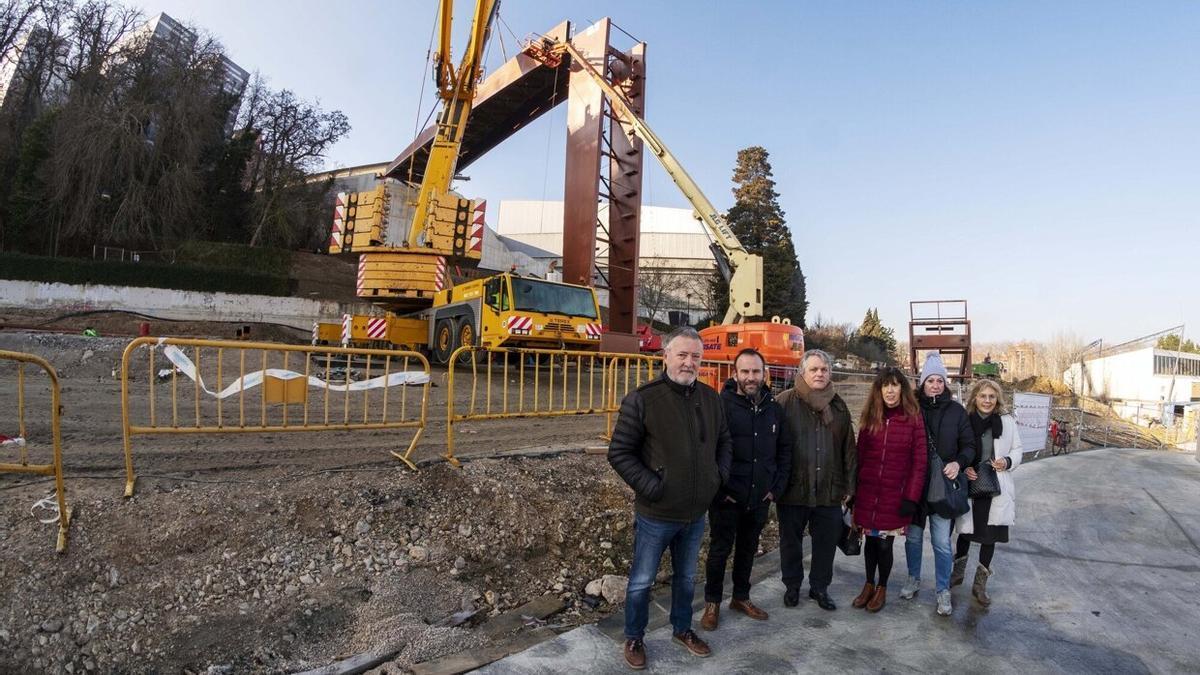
671 445
762 465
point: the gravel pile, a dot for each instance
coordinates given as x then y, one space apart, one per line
273 575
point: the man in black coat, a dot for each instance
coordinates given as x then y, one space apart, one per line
762 464
671 445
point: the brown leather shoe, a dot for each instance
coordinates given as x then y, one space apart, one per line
864 597
748 608
878 600
635 654
694 644
712 616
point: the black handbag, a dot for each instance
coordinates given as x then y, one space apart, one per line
986 483
850 539
947 498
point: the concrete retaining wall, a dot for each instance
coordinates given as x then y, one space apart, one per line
172 304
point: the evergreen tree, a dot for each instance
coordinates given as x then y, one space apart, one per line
24 228
1171 343
757 220
873 341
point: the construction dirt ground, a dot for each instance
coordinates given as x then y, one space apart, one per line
284 552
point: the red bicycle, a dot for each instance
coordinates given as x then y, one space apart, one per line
1060 438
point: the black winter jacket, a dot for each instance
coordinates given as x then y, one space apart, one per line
762 447
948 429
671 445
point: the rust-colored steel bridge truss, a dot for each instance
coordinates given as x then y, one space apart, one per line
603 160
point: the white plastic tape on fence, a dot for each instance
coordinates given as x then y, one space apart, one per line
176 356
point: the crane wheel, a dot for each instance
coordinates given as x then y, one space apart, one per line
466 337
443 341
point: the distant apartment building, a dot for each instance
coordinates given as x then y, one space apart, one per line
22 61
11 65
166 31
1021 361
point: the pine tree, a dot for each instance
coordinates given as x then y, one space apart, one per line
1171 343
874 341
758 222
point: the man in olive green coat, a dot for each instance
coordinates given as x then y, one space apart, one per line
824 468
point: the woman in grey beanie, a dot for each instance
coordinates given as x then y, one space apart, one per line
948 433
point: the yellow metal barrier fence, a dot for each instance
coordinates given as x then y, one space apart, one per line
282 403
54 468
548 383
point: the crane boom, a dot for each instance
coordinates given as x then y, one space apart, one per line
740 268
457 91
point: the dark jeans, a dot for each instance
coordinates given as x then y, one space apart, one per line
651 537
825 525
732 528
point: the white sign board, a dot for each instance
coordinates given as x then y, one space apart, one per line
1033 419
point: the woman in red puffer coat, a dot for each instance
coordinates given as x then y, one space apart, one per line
892 458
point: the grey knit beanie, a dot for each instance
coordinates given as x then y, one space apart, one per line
933 366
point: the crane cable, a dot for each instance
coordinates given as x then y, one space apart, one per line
417 126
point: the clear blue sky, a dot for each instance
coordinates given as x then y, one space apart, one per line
1041 160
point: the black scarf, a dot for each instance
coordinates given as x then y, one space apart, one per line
980 424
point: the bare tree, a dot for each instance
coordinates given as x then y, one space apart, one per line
140 126
832 336
31 46
115 136
16 17
661 288
1062 350
293 136
903 357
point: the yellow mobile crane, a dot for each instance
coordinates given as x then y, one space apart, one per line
410 245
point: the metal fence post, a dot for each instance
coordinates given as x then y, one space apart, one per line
1197 430
1079 431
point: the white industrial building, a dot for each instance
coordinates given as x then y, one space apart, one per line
1147 385
673 252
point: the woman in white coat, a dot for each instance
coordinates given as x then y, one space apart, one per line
999 450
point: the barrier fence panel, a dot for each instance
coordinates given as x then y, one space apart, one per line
507 383
1107 429
16 436
1173 424
193 386
496 384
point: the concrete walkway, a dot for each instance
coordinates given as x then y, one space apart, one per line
1102 576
